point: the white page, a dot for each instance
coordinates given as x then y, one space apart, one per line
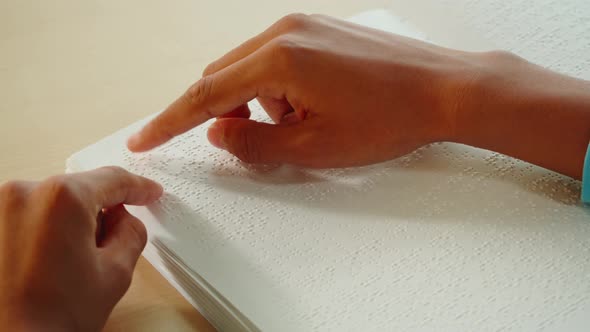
448 238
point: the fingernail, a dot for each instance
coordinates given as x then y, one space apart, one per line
133 141
159 188
159 191
215 134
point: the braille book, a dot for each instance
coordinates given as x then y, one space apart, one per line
448 238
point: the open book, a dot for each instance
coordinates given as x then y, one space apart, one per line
448 238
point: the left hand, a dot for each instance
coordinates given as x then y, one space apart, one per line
55 273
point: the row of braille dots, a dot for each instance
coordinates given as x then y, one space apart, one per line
238 222
186 183
357 259
192 223
285 236
447 153
144 164
314 191
500 164
247 208
569 63
560 44
258 113
409 160
282 220
238 217
180 158
340 183
441 198
288 263
522 25
556 187
461 184
490 284
197 235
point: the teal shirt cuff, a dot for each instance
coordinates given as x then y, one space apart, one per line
586 178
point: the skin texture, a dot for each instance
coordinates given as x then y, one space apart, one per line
55 273
339 94
528 112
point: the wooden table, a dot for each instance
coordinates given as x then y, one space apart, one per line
72 72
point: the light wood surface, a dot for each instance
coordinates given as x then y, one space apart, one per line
72 72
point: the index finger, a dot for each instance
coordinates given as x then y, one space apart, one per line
112 186
211 96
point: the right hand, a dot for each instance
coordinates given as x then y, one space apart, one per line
346 95
340 94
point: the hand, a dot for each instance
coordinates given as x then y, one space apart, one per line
55 273
345 95
340 95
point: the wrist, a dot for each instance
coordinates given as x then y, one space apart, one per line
460 86
525 111
482 95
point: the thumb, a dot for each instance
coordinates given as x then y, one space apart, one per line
257 142
124 239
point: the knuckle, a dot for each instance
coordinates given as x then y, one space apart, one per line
500 56
210 69
11 189
121 174
294 21
284 43
200 91
116 171
12 194
58 190
285 50
315 16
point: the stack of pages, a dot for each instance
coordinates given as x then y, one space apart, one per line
448 238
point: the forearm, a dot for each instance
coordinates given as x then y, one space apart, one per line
19 321
527 112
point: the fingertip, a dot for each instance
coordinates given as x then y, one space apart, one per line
139 143
134 142
153 190
147 138
157 192
216 135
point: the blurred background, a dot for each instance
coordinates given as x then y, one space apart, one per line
72 72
